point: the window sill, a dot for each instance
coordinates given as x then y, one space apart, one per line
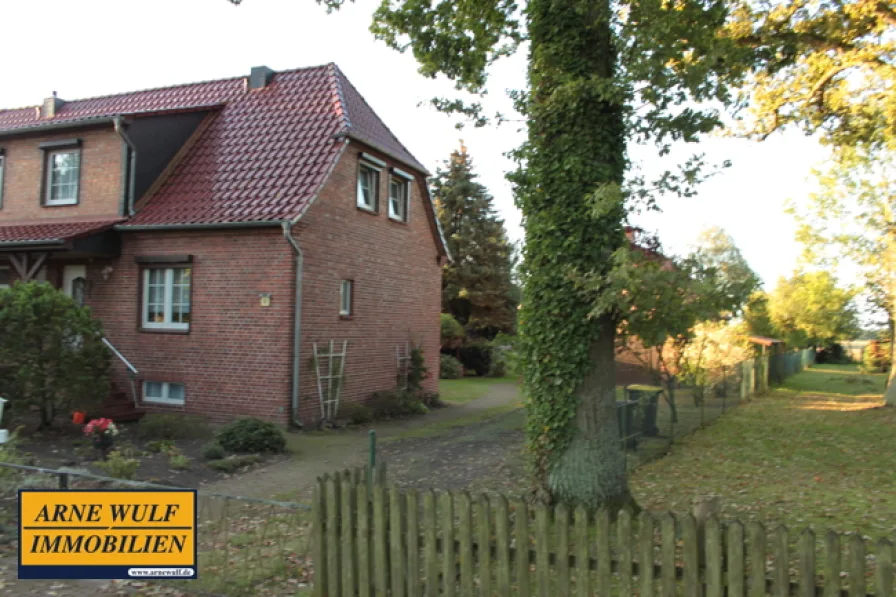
163 403
397 220
368 210
175 331
59 204
346 317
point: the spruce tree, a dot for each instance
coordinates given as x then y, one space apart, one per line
477 287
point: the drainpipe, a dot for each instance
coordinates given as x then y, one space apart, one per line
297 327
132 174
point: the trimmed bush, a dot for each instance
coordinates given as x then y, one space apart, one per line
477 356
213 451
161 426
449 367
252 436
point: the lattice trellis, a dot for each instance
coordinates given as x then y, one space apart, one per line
330 367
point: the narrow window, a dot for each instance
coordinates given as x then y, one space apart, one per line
368 187
345 297
63 175
163 392
398 199
166 298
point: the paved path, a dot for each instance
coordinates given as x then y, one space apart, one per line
323 452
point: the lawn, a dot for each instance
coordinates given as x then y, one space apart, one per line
461 391
815 452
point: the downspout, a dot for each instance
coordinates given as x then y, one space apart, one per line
132 174
297 326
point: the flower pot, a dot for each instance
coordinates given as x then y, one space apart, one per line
78 417
103 443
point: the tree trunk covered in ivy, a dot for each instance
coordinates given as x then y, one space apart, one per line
576 144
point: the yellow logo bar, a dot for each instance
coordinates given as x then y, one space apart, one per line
107 528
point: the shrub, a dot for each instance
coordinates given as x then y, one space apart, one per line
157 446
417 370
161 426
430 399
250 435
449 367
477 356
213 451
395 403
232 464
876 357
452 332
356 414
119 466
178 462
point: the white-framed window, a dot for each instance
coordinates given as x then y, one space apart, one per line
345 297
163 392
368 187
166 298
5 277
63 176
398 198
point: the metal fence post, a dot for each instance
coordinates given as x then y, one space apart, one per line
63 480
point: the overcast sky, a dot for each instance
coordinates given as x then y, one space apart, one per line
86 48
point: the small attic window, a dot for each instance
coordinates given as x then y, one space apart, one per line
368 187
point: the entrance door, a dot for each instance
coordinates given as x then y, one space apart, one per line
74 278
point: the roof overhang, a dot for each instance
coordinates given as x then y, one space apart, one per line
88 238
57 126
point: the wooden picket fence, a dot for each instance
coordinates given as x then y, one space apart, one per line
374 541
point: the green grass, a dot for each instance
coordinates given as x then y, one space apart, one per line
814 452
438 428
462 391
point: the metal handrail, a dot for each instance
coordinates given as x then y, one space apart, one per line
120 356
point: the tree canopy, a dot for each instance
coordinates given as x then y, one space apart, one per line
810 309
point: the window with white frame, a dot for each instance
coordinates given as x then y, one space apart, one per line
5 277
398 198
163 392
166 298
63 175
368 187
345 297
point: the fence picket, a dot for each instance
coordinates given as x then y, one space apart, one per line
396 549
542 565
449 562
604 563
502 540
583 574
832 565
645 530
365 569
465 527
624 543
807 563
413 543
333 560
521 530
713 558
484 540
857 566
884 571
318 540
756 538
735 541
781 562
431 554
347 530
381 574
668 570
561 524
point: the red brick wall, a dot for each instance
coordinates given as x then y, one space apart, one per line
236 358
100 189
397 284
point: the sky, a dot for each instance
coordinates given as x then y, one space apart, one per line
86 48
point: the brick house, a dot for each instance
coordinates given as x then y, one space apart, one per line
223 231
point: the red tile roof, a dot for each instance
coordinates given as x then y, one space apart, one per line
264 155
50 231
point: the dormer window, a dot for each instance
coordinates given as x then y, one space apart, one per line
398 198
368 187
63 173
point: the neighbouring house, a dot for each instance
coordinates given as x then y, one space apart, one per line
226 232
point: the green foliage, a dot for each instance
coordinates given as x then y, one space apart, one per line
356 414
213 451
509 355
756 316
231 464
417 370
249 435
119 465
178 462
877 357
395 403
52 352
449 367
452 331
811 310
477 287
164 426
476 355
733 281
157 446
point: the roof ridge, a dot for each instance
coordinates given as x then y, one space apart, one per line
336 76
376 114
165 87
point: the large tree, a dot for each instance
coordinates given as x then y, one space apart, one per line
810 309
476 287
852 219
600 72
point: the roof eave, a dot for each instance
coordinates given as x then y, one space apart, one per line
197 226
414 165
55 243
52 126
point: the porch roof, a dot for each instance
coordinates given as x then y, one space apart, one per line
49 233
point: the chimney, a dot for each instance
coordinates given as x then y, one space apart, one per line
260 77
51 106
